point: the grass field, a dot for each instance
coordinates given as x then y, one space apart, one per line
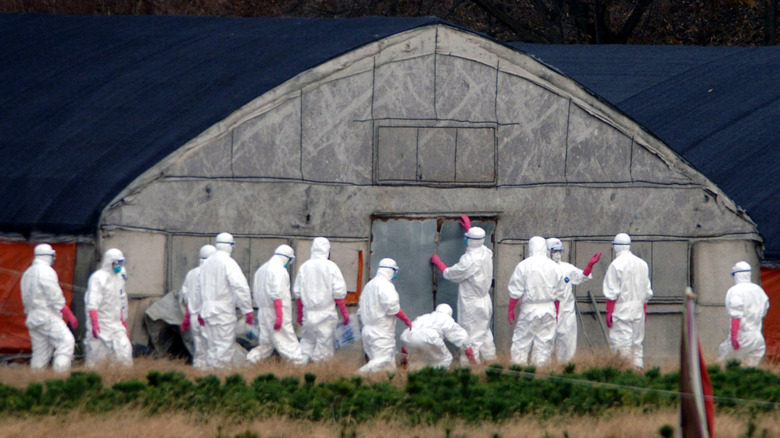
138 423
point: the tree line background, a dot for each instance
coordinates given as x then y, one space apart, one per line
660 22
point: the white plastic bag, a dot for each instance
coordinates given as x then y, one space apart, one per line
347 334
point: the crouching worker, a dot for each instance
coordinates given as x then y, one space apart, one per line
425 344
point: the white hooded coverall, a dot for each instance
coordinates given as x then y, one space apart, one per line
272 282
749 303
318 284
474 275
43 300
537 283
627 282
190 301
222 288
566 329
106 294
378 304
425 344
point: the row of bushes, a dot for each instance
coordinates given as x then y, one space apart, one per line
428 397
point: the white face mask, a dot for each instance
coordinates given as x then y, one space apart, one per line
557 256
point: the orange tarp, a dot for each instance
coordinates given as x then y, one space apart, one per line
770 281
15 258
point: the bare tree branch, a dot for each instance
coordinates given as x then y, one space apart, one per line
518 28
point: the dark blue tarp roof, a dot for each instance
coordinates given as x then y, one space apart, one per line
88 103
718 107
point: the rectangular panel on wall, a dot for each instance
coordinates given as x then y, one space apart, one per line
435 154
396 154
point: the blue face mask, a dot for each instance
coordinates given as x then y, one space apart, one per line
395 275
117 269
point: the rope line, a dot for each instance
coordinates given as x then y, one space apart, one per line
638 389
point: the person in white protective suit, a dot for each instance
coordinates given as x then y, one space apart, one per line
192 305
222 287
319 287
271 292
537 284
106 305
746 305
474 275
627 289
378 307
45 307
425 344
566 328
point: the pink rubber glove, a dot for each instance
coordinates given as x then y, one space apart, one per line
645 312
185 324
589 267
250 318
342 304
557 310
299 306
470 354
70 317
439 264
734 331
278 307
402 316
610 309
201 321
93 316
511 313
465 222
